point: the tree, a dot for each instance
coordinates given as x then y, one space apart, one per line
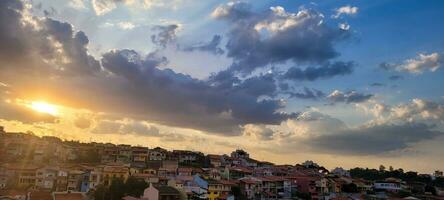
391 168
381 168
350 188
100 192
116 189
135 187
237 193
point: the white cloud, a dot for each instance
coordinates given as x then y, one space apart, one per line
344 26
77 4
126 25
346 10
422 63
283 20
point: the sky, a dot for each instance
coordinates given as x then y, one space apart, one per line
343 83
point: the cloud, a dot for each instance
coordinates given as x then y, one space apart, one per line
307 94
165 35
125 127
82 122
348 97
43 54
102 7
420 64
326 71
77 4
211 46
418 109
346 10
395 77
344 26
322 133
41 46
376 139
12 110
196 103
259 132
377 84
256 40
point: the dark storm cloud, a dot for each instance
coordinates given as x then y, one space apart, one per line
298 37
323 72
307 93
375 139
165 34
211 46
348 97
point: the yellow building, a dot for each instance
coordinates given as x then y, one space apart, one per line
114 172
215 189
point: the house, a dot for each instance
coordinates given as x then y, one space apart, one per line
237 172
250 187
188 157
226 189
389 185
25 175
215 189
61 180
158 193
139 154
157 154
75 178
184 171
112 172
148 178
215 160
46 178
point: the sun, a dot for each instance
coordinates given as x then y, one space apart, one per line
44 107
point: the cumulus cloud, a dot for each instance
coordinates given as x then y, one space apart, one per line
258 39
211 46
259 132
102 7
348 97
346 10
195 101
420 64
313 73
49 55
165 34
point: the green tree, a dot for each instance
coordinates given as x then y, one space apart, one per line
116 189
350 188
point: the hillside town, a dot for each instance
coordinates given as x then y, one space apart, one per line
48 168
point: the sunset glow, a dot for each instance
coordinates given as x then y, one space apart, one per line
44 107
342 83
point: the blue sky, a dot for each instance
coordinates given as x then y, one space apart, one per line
358 81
